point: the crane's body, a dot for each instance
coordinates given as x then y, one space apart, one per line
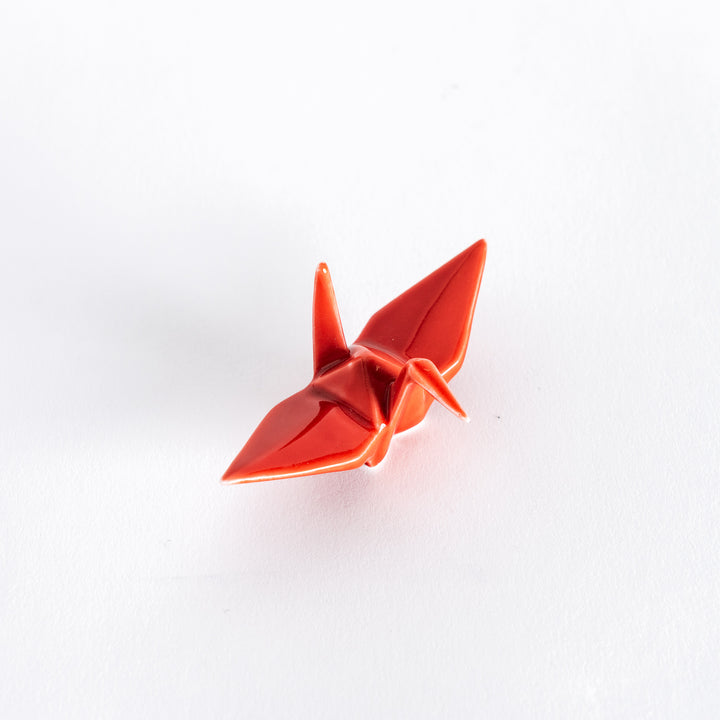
384 383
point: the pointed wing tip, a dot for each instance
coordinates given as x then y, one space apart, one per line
242 474
476 251
231 478
239 479
235 475
479 248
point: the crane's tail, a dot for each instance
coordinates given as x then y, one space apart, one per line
329 346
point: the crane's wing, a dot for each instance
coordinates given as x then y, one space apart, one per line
432 319
303 435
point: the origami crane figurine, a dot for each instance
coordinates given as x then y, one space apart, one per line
384 383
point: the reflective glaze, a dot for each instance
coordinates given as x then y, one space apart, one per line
384 383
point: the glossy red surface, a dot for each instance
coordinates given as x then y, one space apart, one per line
384 383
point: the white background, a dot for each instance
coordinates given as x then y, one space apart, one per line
171 174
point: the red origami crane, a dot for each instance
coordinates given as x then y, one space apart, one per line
384 383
